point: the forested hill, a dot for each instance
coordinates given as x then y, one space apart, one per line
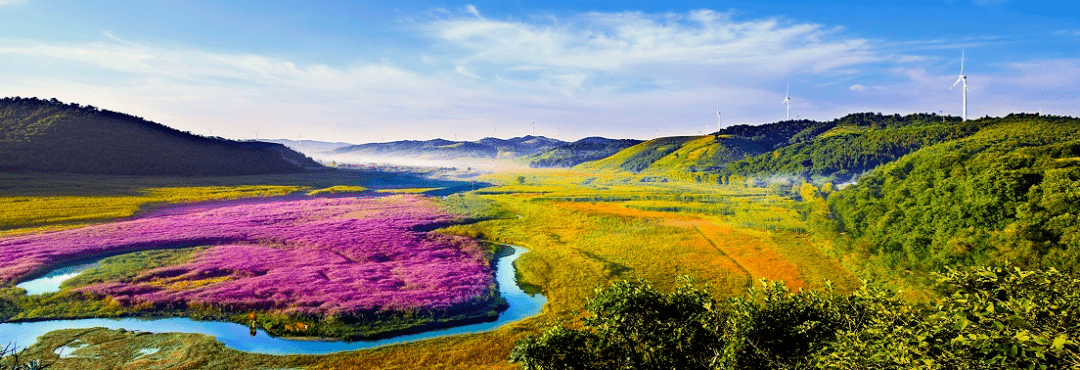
838 150
1009 193
47 135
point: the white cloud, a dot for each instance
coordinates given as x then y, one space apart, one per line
11 2
472 10
619 41
857 87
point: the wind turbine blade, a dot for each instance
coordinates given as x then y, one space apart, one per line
957 81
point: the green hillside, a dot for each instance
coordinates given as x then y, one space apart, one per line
639 157
931 191
837 150
841 149
47 135
1008 193
701 156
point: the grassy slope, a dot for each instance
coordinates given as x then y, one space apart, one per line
638 157
49 136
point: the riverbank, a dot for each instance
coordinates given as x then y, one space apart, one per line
236 336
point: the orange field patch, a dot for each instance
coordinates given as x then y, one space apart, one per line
748 253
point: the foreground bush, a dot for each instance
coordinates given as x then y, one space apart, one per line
988 318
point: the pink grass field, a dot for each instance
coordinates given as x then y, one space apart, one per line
313 256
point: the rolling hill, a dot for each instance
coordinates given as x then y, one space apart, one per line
584 150
839 149
47 135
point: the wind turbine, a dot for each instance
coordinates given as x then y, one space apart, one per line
717 118
964 79
787 100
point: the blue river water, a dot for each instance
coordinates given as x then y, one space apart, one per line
522 305
51 281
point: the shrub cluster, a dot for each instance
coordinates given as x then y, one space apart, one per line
987 318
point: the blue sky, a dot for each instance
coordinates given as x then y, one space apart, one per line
378 71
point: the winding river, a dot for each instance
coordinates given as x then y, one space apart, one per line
522 305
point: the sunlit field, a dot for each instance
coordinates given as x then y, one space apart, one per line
583 230
586 230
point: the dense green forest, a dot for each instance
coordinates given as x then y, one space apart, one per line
47 135
1009 193
841 149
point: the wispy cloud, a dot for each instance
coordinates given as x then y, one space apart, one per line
620 41
11 2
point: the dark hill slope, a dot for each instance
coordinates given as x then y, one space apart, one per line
46 135
584 150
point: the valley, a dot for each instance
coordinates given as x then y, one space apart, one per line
805 210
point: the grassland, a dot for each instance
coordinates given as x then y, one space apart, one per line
586 229
583 230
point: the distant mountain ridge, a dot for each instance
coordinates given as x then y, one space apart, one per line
486 148
584 150
47 135
308 146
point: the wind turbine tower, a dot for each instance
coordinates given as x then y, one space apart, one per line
964 79
717 118
787 100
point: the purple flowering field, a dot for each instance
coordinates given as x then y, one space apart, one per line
310 256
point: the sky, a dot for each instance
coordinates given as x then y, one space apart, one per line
374 71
